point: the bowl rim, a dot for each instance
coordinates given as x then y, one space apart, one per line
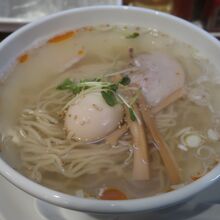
101 206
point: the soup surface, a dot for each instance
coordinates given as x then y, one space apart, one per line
111 112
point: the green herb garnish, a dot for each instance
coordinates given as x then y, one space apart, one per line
108 90
75 87
113 87
133 35
66 84
132 114
109 97
125 81
70 85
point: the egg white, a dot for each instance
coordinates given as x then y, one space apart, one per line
91 118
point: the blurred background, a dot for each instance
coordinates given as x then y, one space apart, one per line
205 13
15 13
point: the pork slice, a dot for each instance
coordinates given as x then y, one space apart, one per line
160 75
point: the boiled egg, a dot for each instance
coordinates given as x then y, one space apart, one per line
90 118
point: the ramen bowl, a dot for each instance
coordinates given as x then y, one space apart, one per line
186 32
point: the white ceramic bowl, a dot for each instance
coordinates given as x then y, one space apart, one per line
180 29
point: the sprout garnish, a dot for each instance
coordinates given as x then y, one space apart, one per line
108 90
